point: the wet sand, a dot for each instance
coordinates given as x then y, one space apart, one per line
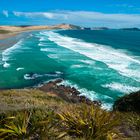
4 36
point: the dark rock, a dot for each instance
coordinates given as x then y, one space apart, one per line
128 103
67 93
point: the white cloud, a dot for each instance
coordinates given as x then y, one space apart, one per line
85 18
49 15
5 13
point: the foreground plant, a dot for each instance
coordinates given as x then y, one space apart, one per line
17 127
27 125
89 123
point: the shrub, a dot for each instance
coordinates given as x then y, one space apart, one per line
88 123
28 125
133 120
4 31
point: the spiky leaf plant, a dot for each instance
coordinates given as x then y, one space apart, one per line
17 127
34 124
88 122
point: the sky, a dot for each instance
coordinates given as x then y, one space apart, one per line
88 13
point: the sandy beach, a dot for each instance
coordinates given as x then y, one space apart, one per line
4 36
9 31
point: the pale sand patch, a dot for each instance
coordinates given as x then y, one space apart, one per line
14 30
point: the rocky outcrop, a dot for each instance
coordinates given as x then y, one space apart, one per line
128 103
67 93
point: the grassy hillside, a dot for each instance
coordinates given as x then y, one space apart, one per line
4 31
35 114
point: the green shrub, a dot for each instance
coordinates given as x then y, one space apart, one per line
89 123
133 121
4 31
28 125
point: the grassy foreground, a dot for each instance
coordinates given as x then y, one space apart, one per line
4 31
31 114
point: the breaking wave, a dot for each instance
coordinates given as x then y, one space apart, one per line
32 76
6 53
92 95
113 58
121 87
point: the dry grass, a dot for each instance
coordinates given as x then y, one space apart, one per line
12 102
28 98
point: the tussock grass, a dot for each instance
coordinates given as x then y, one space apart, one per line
33 114
25 99
4 31
89 122
28 124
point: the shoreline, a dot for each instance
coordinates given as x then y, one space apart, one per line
66 93
8 35
10 31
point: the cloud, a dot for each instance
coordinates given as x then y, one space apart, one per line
5 13
49 15
124 5
84 18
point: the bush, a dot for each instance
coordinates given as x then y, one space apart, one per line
89 123
128 103
33 124
4 31
133 120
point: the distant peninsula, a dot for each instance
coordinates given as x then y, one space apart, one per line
131 29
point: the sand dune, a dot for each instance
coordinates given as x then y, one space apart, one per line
9 31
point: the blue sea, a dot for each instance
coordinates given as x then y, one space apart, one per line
102 64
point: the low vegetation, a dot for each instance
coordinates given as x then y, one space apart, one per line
31 114
4 31
89 122
128 103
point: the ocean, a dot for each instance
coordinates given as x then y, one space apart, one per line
102 64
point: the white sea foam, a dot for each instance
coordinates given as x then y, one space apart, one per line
42 39
58 72
6 53
44 44
92 95
121 87
41 44
11 49
6 65
113 58
20 68
28 77
31 76
48 50
77 66
90 62
53 56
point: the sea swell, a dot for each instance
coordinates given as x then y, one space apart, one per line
97 71
113 58
116 70
92 95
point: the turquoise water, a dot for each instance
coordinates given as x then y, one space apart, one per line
102 65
